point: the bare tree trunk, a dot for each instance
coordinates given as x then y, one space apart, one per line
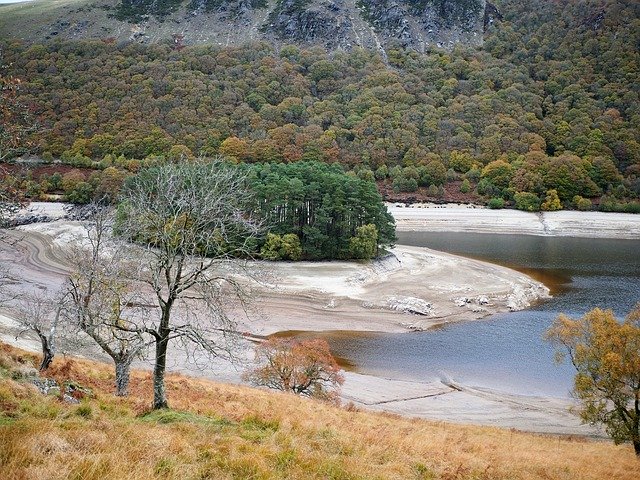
159 392
47 352
636 423
123 373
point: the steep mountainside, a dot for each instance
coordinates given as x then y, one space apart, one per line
379 24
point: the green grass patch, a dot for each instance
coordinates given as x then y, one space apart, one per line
6 419
167 416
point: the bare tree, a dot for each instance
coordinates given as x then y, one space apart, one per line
192 223
102 298
39 313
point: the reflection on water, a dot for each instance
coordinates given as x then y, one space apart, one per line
506 351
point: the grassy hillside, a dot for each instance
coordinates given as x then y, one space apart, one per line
222 431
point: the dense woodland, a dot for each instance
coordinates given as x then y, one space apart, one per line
315 211
545 115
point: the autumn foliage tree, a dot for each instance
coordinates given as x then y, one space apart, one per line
606 355
305 368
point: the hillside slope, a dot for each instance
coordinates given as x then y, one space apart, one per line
376 24
221 431
550 102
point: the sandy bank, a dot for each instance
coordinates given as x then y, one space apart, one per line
412 288
458 403
475 219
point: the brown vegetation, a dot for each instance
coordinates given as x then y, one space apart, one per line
223 431
304 367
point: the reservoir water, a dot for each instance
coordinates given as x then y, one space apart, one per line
505 352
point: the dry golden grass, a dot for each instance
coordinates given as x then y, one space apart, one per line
220 431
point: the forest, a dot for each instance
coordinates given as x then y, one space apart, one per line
316 206
545 115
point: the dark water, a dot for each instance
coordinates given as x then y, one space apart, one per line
506 351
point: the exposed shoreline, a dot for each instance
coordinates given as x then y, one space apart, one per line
315 296
454 217
412 288
430 217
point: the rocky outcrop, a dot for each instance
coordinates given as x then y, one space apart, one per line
415 24
324 22
420 24
491 15
377 24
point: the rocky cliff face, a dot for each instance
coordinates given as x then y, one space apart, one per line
416 24
379 24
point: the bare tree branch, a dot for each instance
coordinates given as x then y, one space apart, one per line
192 224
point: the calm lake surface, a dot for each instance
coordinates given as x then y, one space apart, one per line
506 351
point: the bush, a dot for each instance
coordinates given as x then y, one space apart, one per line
496 203
395 171
305 368
582 204
433 173
632 207
286 247
527 201
551 202
366 174
404 184
485 187
465 187
381 172
291 247
473 175
365 244
411 172
498 172
460 161
81 193
609 204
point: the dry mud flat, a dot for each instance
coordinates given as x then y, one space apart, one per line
429 217
454 402
411 288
